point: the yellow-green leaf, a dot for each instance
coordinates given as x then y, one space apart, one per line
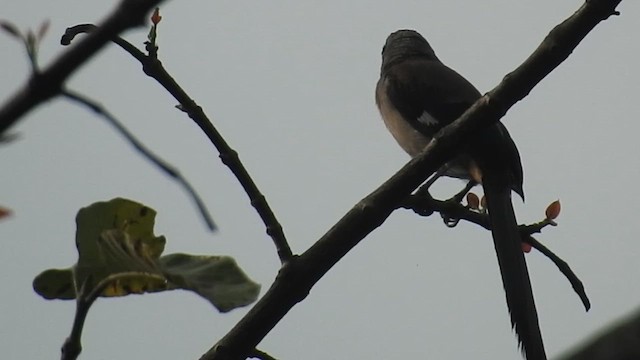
112 237
117 248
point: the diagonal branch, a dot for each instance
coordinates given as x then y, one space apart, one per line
46 84
299 275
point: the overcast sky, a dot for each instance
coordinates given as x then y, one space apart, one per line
290 86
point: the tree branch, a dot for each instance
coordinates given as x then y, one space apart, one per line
620 340
298 276
46 84
452 211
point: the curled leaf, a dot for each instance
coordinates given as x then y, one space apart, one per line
42 31
112 238
119 254
553 210
473 201
10 29
32 40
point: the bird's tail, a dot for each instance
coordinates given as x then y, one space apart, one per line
513 268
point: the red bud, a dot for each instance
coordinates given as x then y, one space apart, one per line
553 210
473 201
4 212
155 17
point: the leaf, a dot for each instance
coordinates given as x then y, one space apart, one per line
31 40
113 237
553 210
122 255
116 236
10 29
42 30
117 247
55 284
216 278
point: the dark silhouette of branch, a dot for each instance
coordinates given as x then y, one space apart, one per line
564 268
45 84
164 166
453 211
300 274
618 341
86 296
258 354
154 68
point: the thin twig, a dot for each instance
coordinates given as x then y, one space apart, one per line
71 32
144 151
85 298
154 68
564 268
452 211
72 346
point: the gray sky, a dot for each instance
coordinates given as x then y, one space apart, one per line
290 85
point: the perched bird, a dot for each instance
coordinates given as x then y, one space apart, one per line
418 95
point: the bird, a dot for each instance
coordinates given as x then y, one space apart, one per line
417 95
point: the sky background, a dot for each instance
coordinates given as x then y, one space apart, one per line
290 86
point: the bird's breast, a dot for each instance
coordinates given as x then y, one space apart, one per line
410 139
